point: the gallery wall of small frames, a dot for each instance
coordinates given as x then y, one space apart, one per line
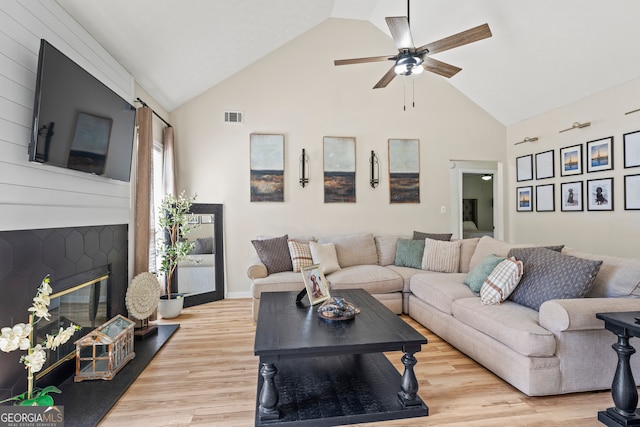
583 168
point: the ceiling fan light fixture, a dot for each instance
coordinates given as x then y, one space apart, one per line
408 64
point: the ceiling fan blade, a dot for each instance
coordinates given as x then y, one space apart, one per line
469 36
400 31
386 79
363 60
439 67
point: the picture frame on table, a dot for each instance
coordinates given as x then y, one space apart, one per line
600 194
631 146
524 199
524 168
315 284
545 198
600 155
544 165
571 160
632 192
571 196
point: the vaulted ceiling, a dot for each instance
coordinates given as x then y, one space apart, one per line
543 54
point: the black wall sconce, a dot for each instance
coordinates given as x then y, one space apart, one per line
374 172
304 169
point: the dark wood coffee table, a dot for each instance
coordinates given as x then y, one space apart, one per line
323 373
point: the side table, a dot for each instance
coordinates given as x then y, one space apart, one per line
623 388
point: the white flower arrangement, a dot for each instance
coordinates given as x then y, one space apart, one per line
20 337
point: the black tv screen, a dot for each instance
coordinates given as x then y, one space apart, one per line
78 122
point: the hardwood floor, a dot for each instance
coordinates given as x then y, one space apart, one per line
206 375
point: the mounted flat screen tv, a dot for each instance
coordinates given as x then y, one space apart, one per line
78 122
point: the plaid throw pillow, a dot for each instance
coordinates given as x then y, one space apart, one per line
501 282
300 255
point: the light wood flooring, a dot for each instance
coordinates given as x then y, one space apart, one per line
206 375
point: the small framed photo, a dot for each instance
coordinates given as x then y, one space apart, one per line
525 199
631 149
545 198
600 194
600 155
632 192
571 160
524 168
206 219
544 165
571 196
315 283
193 219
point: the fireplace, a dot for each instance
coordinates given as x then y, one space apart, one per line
88 267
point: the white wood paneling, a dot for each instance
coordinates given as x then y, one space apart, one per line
34 195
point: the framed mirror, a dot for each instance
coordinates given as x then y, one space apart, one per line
201 275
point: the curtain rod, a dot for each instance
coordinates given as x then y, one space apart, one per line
144 104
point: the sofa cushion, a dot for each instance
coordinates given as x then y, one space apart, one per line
480 272
512 324
325 255
501 282
300 255
467 248
419 235
440 289
617 277
372 278
551 275
274 254
409 253
406 273
277 282
386 248
441 256
490 246
354 249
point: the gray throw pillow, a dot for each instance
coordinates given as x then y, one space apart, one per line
409 253
522 254
274 254
203 246
419 235
551 275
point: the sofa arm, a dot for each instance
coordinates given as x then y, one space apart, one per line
257 269
580 314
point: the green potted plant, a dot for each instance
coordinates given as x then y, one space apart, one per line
174 223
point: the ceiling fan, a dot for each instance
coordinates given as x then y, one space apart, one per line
412 60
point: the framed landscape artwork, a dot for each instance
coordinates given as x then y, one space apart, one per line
545 198
544 165
339 169
632 149
600 155
571 160
632 192
524 168
524 199
600 194
267 168
404 170
571 196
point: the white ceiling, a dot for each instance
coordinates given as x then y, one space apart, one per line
543 54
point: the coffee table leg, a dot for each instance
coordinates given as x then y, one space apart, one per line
623 389
269 394
409 386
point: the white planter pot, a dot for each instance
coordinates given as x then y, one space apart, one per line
170 308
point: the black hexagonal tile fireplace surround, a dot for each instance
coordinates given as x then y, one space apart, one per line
69 255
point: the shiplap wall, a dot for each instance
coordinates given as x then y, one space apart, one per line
34 195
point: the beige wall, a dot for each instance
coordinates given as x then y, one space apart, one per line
298 91
613 233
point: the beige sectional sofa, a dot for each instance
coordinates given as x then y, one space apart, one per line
559 348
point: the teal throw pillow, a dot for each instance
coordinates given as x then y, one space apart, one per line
480 272
409 253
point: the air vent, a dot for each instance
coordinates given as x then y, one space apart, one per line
233 116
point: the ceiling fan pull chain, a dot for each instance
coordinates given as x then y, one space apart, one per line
404 93
414 93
